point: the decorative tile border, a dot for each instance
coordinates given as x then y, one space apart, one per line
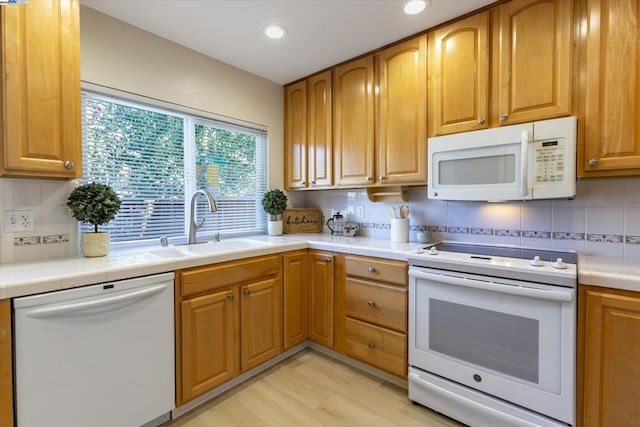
536 234
482 231
507 233
559 235
632 240
40 240
56 238
27 241
605 238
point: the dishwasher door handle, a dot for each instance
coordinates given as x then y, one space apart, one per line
125 297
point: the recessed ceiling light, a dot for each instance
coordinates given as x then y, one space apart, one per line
275 31
414 7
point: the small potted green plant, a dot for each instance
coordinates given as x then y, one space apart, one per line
96 204
274 203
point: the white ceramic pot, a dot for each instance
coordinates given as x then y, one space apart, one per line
274 228
95 244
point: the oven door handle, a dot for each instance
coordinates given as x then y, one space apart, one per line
496 287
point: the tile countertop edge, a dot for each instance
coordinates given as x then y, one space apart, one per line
609 272
21 279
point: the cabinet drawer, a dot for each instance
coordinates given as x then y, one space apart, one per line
202 279
379 347
383 305
376 269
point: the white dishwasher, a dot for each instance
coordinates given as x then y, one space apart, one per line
100 355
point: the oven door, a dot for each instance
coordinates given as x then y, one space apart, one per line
510 339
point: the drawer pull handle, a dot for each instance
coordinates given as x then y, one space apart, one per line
372 270
247 291
327 260
231 297
371 346
68 164
372 303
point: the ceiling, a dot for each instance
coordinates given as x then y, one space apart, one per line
321 33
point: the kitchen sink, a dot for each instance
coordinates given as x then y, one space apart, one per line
223 246
181 251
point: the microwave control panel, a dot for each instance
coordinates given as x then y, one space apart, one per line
550 159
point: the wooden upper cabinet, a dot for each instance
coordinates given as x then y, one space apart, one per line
459 76
320 130
612 89
533 73
353 113
401 97
41 130
296 135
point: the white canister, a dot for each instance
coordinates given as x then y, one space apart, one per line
400 230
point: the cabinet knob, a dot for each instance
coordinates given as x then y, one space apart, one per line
371 270
68 164
368 179
382 177
371 303
247 291
371 346
302 184
593 162
313 181
231 297
480 120
503 117
327 260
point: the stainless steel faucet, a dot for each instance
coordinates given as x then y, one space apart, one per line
193 225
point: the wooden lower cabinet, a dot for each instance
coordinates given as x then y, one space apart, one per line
321 297
609 357
371 312
294 272
260 322
228 320
210 341
6 368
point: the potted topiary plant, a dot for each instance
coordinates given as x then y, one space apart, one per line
95 204
274 203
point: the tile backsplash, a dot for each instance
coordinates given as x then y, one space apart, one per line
603 218
55 231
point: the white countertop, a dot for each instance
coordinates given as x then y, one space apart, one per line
609 272
19 279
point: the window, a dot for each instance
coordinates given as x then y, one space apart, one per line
155 159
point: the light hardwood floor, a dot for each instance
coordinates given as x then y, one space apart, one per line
311 389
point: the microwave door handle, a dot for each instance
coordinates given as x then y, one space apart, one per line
524 163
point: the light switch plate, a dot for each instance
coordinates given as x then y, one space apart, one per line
19 220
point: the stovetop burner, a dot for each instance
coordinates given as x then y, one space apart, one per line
506 251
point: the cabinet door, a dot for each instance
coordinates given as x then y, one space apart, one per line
321 298
210 342
295 298
6 369
534 72
296 135
459 76
353 111
402 113
320 130
41 133
612 89
260 322
611 354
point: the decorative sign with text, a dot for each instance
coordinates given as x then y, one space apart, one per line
297 220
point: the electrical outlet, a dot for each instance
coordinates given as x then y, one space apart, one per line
19 220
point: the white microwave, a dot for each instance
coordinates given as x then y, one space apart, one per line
520 162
